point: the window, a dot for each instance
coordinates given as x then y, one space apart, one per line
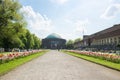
115 40
118 39
111 40
102 42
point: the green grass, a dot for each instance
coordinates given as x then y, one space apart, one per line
105 63
6 67
5 52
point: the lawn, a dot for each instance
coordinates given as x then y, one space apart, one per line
105 63
5 52
6 67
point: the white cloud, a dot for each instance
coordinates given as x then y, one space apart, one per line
77 24
112 11
77 28
37 24
59 1
115 1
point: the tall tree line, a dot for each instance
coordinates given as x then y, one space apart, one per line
70 43
13 32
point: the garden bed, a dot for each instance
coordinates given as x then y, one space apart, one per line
8 65
99 58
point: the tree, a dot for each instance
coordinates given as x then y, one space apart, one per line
11 24
69 44
77 40
37 42
29 41
13 33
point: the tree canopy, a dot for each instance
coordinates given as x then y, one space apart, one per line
69 44
13 32
77 40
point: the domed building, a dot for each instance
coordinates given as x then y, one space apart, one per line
53 41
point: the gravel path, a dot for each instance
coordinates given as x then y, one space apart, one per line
55 65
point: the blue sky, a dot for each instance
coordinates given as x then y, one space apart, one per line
70 18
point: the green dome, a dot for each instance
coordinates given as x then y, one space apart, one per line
53 36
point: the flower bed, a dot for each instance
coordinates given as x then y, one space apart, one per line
11 56
105 56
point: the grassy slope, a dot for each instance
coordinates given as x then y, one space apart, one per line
98 61
4 68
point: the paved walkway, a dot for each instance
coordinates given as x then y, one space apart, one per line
55 65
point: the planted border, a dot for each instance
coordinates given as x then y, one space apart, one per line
8 66
96 60
15 55
104 56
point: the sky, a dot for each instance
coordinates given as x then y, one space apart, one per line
70 19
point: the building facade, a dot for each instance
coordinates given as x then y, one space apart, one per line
108 39
53 41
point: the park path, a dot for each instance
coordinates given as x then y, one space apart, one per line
55 65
